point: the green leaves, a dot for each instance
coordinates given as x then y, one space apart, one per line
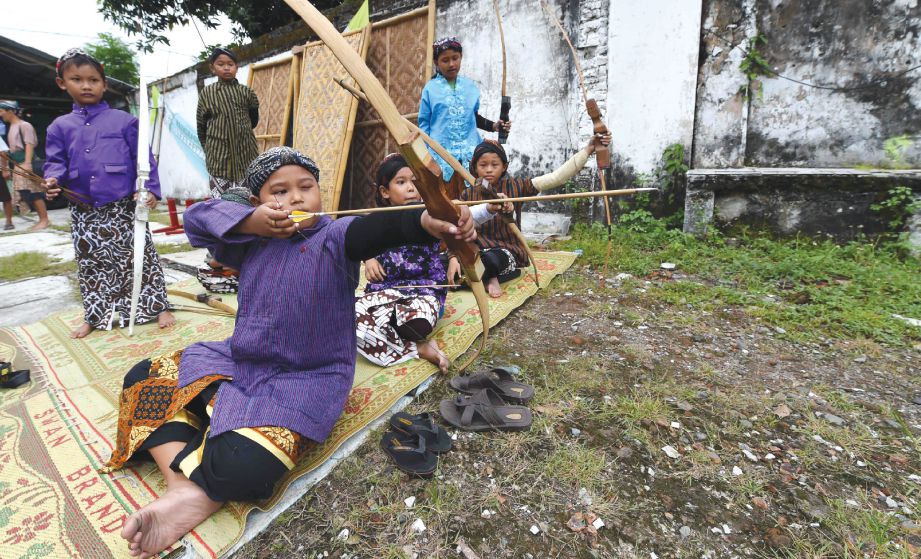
116 56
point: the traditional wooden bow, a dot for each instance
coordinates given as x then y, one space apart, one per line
602 153
429 181
506 104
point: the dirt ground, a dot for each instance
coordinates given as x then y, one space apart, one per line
661 429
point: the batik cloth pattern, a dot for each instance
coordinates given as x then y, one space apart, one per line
412 265
218 186
379 313
448 114
243 464
103 246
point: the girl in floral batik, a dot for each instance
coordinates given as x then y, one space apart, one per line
402 300
449 110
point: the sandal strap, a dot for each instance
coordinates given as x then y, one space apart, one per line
406 445
486 411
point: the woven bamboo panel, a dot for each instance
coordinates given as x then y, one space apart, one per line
398 56
325 115
273 84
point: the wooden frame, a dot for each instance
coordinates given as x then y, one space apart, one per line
292 79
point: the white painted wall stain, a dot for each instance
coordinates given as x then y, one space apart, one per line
652 77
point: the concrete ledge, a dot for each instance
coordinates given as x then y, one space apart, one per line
813 201
801 178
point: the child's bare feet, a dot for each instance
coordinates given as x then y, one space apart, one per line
82 331
164 521
166 319
430 352
493 288
39 226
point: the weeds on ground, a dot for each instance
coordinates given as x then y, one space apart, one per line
32 264
806 286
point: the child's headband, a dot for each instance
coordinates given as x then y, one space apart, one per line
74 53
445 43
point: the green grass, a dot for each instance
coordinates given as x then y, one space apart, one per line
816 287
32 264
170 248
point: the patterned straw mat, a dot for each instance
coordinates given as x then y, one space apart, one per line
56 431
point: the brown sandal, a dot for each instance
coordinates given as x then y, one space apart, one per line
485 411
499 380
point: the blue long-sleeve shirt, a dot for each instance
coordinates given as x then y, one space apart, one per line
449 115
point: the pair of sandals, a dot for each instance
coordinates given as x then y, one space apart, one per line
13 379
414 443
490 401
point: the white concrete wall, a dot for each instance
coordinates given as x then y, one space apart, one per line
545 130
652 77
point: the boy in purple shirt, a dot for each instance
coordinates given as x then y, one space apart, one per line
92 152
226 420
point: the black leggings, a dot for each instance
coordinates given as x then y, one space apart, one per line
232 468
497 263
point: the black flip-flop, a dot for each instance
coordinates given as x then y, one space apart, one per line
15 379
409 454
436 439
499 380
485 411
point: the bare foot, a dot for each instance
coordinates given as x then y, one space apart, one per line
430 352
82 331
164 521
39 226
166 319
493 288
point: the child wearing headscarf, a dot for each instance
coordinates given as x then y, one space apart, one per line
500 251
226 420
93 152
405 294
449 109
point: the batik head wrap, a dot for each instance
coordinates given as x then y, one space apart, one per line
270 161
219 51
445 43
388 169
237 194
81 57
487 146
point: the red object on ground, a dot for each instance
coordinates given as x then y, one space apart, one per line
174 228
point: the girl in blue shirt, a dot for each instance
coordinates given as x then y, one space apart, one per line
449 110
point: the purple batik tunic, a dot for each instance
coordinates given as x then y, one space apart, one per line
292 352
93 151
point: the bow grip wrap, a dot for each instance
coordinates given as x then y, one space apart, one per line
602 153
503 116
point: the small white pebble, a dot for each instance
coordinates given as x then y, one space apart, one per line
486 513
671 452
534 529
769 456
726 529
736 471
676 425
409 501
598 523
418 526
343 535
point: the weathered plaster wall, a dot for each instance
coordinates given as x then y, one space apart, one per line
652 76
538 81
857 50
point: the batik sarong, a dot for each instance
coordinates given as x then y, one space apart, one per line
380 317
104 248
239 465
